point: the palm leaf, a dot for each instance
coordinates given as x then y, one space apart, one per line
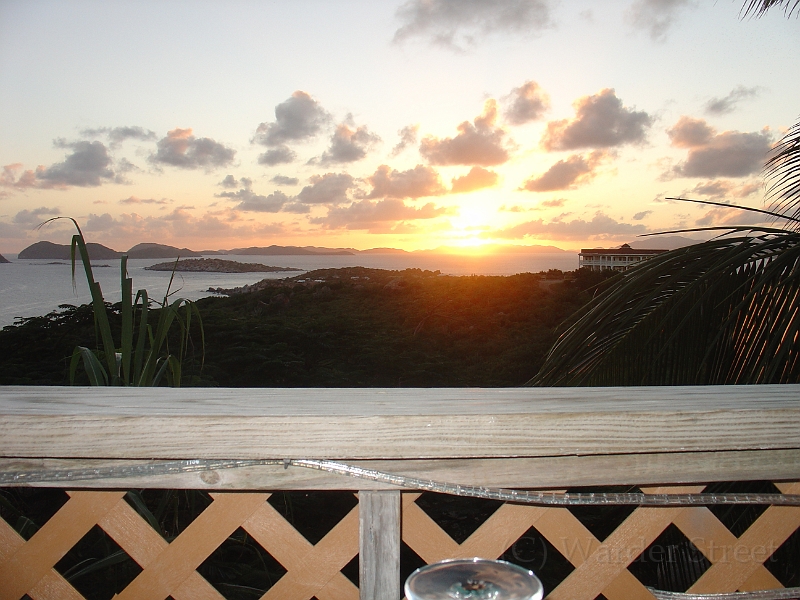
758 8
725 311
782 172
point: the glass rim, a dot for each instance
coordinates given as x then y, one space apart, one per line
536 592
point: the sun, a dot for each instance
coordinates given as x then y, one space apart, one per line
472 226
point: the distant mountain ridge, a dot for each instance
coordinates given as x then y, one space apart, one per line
662 242
493 248
49 250
149 250
288 251
53 251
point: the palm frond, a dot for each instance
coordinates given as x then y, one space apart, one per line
759 8
771 213
782 173
724 311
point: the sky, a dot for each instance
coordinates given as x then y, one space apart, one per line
414 124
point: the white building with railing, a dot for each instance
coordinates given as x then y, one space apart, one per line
618 259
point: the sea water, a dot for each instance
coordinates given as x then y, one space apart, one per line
30 288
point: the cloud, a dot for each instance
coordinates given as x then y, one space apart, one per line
655 16
526 103
459 23
284 180
720 188
728 154
568 173
641 215
117 135
126 166
136 200
479 144
229 182
12 232
408 137
723 106
330 189
555 203
690 133
477 179
367 214
218 228
601 227
413 183
348 144
723 217
296 119
250 201
89 165
601 121
258 203
13 175
515 208
182 149
35 216
277 156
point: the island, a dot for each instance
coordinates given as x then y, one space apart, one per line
150 250
3 259
51 251
217 265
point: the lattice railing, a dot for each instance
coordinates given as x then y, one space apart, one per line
92 439
315 570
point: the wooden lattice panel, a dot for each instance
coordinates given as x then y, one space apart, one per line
602 567
170 569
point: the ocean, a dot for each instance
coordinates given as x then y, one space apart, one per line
30 288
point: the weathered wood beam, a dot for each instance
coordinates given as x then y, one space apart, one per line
539 473
70 422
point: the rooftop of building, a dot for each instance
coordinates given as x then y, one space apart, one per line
624 249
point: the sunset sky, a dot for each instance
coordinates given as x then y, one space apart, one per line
366 124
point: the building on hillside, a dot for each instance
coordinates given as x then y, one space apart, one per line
618 259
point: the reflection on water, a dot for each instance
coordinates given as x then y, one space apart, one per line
36 287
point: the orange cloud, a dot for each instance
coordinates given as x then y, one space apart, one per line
478 178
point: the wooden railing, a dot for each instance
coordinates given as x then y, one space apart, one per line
667 439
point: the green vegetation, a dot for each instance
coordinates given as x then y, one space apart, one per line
339 327
143 358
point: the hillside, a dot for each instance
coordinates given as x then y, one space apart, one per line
352 327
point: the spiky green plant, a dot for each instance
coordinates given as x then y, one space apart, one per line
142 358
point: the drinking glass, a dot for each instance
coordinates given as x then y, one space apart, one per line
473 579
